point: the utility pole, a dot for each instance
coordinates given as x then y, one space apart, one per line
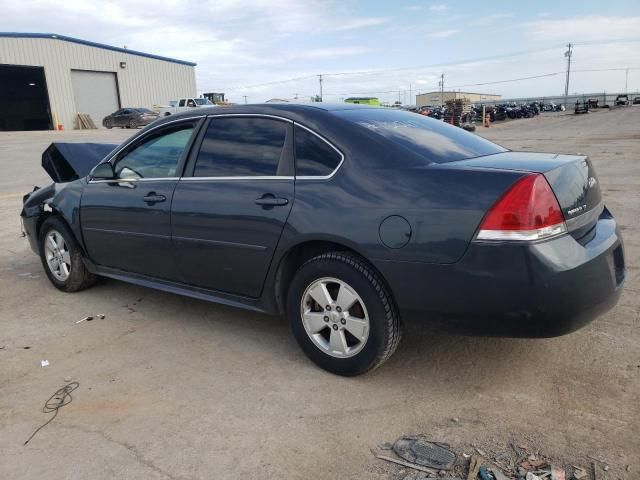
245 99
567 54
410 98
320 78
441 85
626 78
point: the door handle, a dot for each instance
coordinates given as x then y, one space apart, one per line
152 198
270 200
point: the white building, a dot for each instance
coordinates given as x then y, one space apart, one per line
47 78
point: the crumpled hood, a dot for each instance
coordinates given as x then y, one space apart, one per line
65 162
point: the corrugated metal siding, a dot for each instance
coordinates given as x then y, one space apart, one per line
145 82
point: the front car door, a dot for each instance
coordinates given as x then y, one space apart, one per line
126 221
231 206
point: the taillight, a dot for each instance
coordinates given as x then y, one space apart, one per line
527 211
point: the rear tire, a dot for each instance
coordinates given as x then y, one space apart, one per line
347 338
61 257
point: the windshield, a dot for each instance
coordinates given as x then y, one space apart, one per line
203 101
144 110
432 139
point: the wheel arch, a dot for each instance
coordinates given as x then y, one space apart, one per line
298 254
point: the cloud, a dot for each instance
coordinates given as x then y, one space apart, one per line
586 28
485 20
441 7
442 33
330 52
363 22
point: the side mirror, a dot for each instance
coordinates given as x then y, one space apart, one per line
103 171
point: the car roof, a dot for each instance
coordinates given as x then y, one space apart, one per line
283 107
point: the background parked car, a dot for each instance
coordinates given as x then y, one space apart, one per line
622 100
129 118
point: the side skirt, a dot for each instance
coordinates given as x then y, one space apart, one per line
179 288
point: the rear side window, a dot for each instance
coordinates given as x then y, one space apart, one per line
314 156
432 139
241 147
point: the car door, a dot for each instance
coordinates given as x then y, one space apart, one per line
231 206
122 117
126 221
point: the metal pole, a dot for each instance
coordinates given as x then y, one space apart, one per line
245 99
410 101
567 54
626 78
320 78
442 89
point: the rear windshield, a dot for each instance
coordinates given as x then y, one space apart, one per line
432 139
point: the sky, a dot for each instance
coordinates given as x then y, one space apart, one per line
265 49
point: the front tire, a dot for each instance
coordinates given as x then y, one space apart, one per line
62 258
342 314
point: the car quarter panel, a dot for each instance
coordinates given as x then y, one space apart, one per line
519 289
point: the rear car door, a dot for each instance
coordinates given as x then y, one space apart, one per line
231 206
126 221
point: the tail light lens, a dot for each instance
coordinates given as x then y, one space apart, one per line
527 211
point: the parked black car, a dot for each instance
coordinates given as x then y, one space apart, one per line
130 118
350 219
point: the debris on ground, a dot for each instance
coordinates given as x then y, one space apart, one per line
85 319
101 316
418 450
406 464
44 363
438 461
579 473
59 399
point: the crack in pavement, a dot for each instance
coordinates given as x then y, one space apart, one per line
131 448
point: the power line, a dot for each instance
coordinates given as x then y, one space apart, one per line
439 65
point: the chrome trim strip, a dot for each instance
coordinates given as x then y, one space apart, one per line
255 177
320 177
221 243
131 180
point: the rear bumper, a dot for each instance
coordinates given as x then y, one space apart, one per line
542 289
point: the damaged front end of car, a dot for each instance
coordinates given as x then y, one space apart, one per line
67 164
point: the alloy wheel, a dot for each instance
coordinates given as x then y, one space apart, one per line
57 255
335 317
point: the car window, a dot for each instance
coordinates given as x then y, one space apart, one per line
157 156
433 140
239 147
314 156
181 104
191 103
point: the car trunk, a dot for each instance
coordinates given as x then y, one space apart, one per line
571 177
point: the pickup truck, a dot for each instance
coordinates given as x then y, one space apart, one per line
184 104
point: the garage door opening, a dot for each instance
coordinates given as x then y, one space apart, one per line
24 99
95 93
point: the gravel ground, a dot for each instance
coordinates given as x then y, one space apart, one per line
176 388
